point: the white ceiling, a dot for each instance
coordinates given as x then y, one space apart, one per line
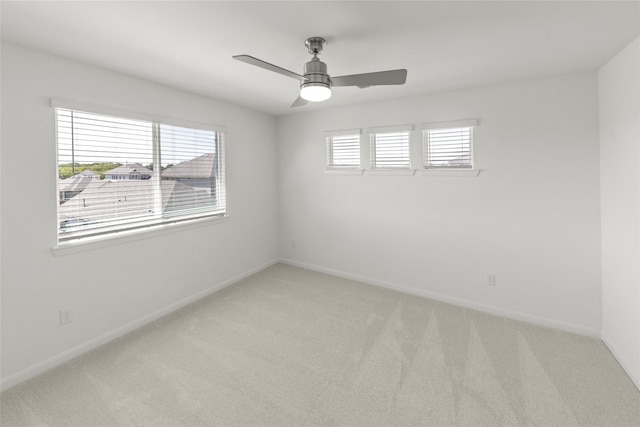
443 45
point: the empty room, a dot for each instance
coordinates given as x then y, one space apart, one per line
320 213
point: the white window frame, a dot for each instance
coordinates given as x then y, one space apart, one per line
161 220
331 139
375 167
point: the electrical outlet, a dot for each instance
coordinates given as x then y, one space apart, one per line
65 316
491 279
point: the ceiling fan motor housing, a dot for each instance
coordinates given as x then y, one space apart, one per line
315 71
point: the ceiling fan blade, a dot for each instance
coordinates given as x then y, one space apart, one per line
262 64
299 102
391 77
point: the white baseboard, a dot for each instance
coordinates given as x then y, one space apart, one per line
622 361
498 311
73 352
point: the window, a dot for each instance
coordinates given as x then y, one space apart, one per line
343 149
117 174
448 145
390 147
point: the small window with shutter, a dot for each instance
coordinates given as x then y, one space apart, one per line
448 145
343 149
390 147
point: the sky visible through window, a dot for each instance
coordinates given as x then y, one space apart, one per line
92 138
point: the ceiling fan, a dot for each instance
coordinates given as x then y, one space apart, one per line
315 82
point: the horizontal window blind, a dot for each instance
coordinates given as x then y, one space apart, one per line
343 150
390 149
190 182
117 174
448 147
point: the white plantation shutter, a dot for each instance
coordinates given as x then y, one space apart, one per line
448 145
117 174
390 147
343 149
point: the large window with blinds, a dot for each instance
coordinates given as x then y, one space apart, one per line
448 145
390 147
343 149
119 174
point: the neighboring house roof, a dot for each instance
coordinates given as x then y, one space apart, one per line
129 168
112 199
177 196
79 181
199 167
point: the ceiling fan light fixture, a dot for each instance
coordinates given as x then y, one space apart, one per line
315 92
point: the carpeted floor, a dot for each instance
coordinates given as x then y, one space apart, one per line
291 347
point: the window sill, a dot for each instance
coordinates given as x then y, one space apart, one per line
90 243
343 171
459 173
406 172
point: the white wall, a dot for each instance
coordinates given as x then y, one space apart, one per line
111 289
619 95
531 217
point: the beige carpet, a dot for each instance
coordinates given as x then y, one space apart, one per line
290 347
